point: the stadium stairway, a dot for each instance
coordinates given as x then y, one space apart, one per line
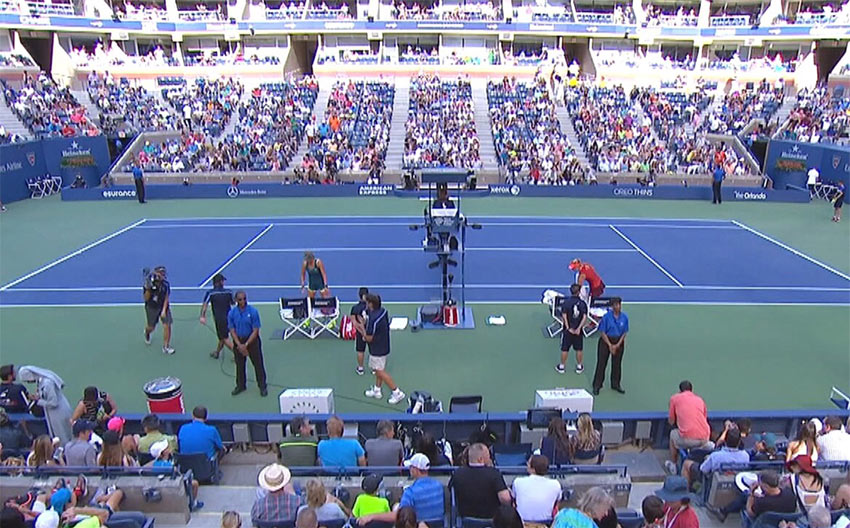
781 115
643 118
401 106
92 111
9 120
567 128
319 109
482 125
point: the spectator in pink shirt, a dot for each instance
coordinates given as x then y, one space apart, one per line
689 419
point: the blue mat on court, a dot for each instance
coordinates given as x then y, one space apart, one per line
511 260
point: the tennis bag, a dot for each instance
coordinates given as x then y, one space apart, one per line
346 329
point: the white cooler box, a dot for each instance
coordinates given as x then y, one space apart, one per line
307 401
572 400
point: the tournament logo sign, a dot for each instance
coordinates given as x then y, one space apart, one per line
836 161
76 157
31 158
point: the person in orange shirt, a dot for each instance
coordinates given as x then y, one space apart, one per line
586 272
334 123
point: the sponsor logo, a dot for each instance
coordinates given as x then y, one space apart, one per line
749 195
795 154
375 190
836 161
233 191
119 193
31 158
77 157
542 27
629 192
512 190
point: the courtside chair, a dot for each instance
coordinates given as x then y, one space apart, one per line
294 313
324 316
511 454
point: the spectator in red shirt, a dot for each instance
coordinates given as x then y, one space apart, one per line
678 512
689 417
586 272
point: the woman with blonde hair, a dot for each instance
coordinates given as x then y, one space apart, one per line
231 519
42 453
326 506
313 272
587 439
593 505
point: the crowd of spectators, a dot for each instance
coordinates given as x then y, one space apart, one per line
7 137
527 134
425 10
620 15
777 64
48 109
674 116
271 125
205 105
440 128
355 131
329 10
657 15
202 13
819 117
614 139
285 10
128 109
141 11
739 107
419 55
15 60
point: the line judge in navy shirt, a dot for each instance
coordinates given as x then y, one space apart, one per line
612 342
243 322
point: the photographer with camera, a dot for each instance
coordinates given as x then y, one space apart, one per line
96 407
156 293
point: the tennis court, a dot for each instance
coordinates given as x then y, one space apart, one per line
751 305
510 260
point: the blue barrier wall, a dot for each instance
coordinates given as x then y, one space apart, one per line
66 157
788 162
265 190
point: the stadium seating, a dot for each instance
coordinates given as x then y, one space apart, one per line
440 131
47 109
742 106
818 117
128 109
527 134
362 111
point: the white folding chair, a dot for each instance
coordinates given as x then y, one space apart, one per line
36 188
555 301
57 183
324 312
295 314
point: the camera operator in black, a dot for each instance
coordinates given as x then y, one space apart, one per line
157 292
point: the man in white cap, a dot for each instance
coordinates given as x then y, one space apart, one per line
426 495
281 503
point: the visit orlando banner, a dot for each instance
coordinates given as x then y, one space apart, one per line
788 162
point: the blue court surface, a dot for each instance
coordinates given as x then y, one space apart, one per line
510 260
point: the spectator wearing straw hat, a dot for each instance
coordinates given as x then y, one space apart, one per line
281 503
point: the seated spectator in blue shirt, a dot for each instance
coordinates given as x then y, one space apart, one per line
426 495
728 454
198 437
337 451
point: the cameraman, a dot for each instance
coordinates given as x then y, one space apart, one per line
157 307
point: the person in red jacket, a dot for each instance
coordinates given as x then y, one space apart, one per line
586 272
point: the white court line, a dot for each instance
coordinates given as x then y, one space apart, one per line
646 255
236 255
425 286
518 303
792 250
72 255
420 249
413 221
265 219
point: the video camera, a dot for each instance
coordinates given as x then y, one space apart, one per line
151 277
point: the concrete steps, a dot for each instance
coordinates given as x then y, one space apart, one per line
487 149
11 122
319 109
92 111
570 131
401 106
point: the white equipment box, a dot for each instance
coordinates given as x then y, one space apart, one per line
572 400
307 401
